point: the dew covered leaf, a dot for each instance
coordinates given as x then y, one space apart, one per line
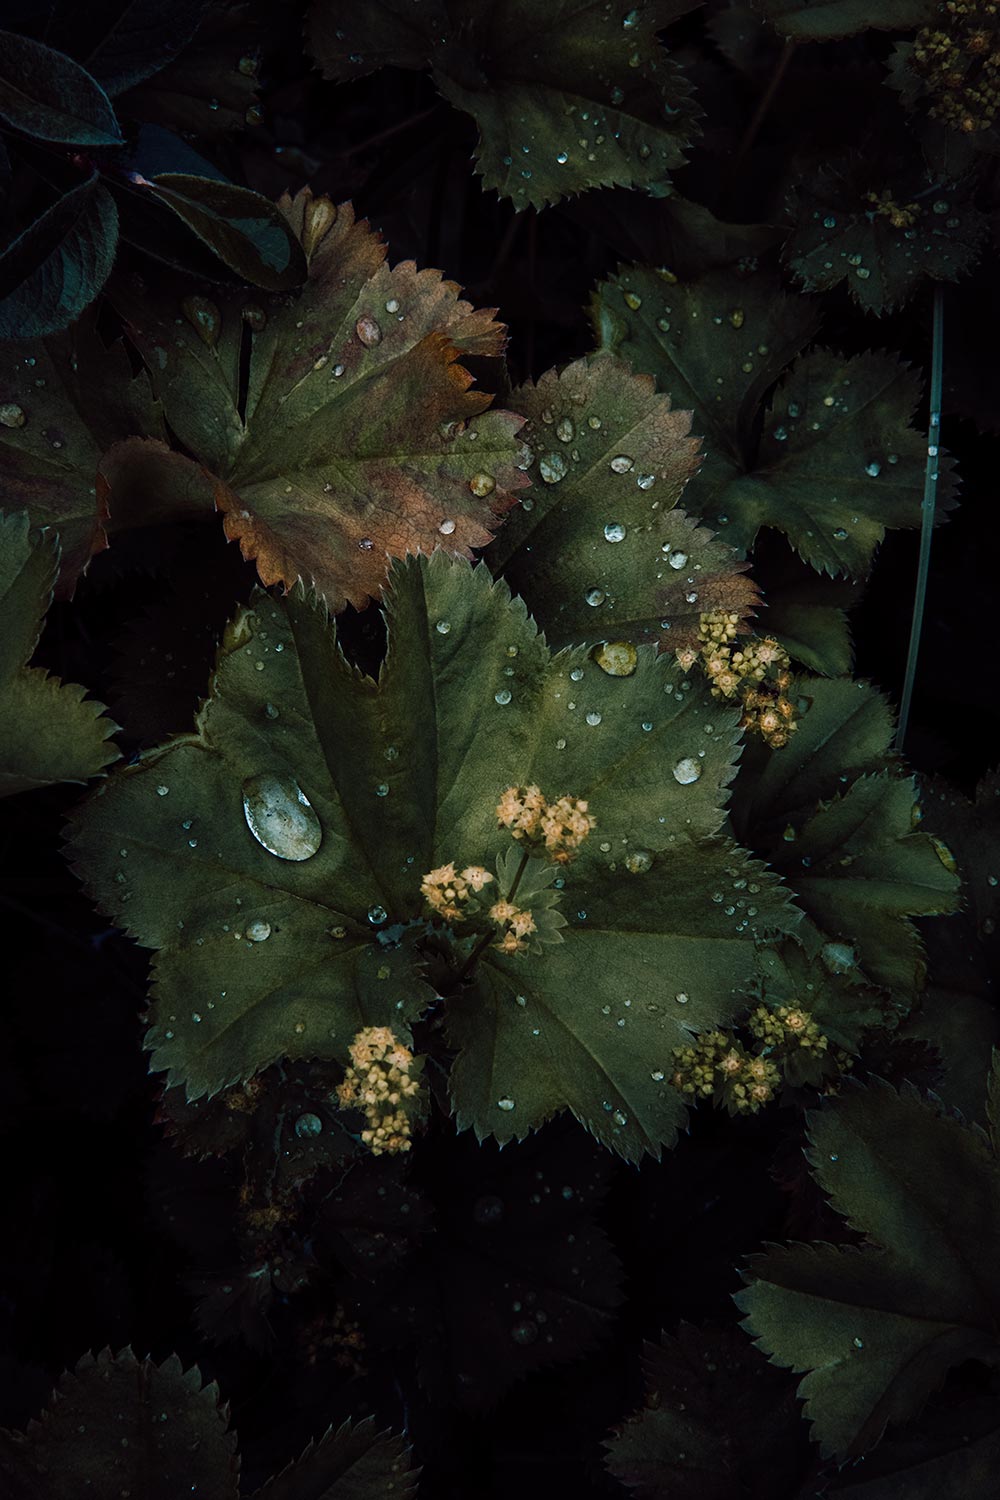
118 1423
598 549
715 1415
360 439
47 95
566 97
875 1328
55 269
591 1025
881 240
838 824
829 986
826 20
48 730
399 779
63 402
837 462
350 1462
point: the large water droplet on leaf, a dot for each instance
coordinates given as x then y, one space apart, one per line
280 816
687 770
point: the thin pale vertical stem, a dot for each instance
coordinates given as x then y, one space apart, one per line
927 513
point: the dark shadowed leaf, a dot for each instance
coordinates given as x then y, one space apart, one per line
55 269
142 39
48 730
568 97
207 89
245 230
47 95
349 1463
807 614
825 20
716 1415
875 1328
63 402
120 1423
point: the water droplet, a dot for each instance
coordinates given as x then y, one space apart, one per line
280 816
616 658
524 1333
859 1343
254 317
829 222
594 597
593 718
503 697
443 627
377 915
621 463
505 1104
737 317
204 318
615 532
552 467
565 431
368 331
562 158
308 1125
161 791
862 273
619 1118
639 861
632 300
446 528
838 958
382 790
12 415
687 770
481 485
258 932
840 535
392 306
645 481
677 560
874 468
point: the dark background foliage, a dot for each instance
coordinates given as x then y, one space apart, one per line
110 1235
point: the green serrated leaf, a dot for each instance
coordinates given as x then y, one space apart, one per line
591 1025
49 731
837 463
829 987
566 99
355 791
47 95
807 614
826 20
875 1328
360 438
882 240
598 548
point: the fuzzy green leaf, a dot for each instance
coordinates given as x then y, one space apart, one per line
46 94
63 401
360 438
876 1328
348 1463
55 269
881 242
826 20
597 549
399 779
566 98
837 463
48 730
123 1424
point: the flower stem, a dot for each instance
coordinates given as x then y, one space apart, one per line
927 513
487 937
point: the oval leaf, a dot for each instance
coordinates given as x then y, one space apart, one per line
46 94
58 265
243 228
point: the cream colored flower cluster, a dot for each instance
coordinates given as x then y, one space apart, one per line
717 1065
379 1083
959 61
758 675
560 826
447 892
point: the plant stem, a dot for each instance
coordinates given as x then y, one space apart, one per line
927 513
766 100
487 937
